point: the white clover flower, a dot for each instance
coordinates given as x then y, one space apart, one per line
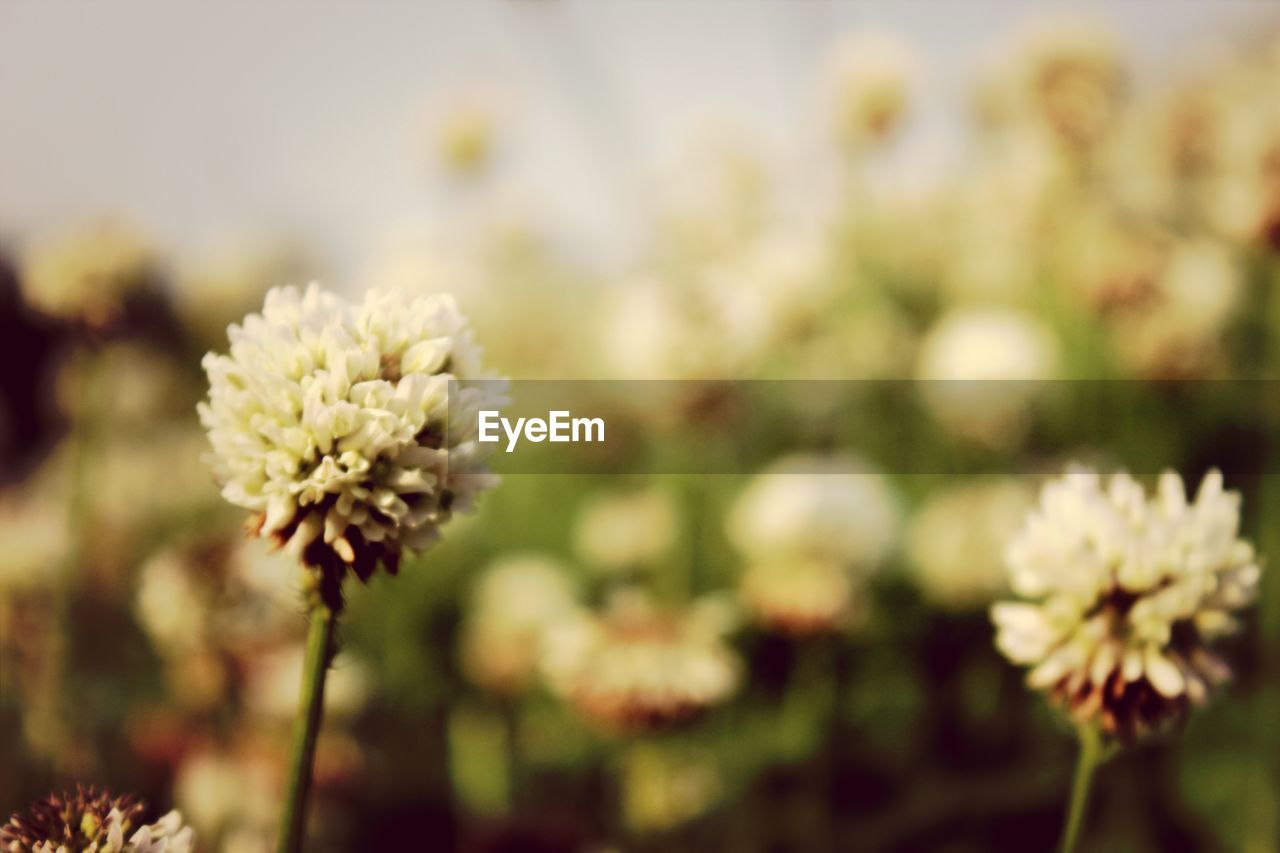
980 368
625 530
825 507
955 542
167 835
349 429
1179 331
518 600
800 596
231 795
217 597
870 76
1122 594
33 536
1069 77
93 821
89 275
171 607
636 667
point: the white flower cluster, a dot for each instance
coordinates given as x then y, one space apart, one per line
871 75
167 835
835 507
638 667
811 529
517 601
1124 592
349 428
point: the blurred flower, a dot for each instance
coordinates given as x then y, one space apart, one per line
333 422
1071 77
465 140
635 667
800 596
993 222
721 316
274 680
955 542
1179 332
92 821
479 263
618 530
870 76
1110 263
231 796
137 386
980 368
33 539
516 602
665 786
214 290
170 607
836 508
88 276
217 594
1123 593
125 506
642 332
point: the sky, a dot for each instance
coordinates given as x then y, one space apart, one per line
214 124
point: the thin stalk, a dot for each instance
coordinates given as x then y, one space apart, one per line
49 727
306 727
1091 756
514 754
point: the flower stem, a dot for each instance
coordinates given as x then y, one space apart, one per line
306 727
1090 757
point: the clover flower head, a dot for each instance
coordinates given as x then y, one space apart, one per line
800 597
93 821
618 531
835 507
636 667
1072 79
89 275
870 76
349 428
33 528
516 603
466 139
955 542
1121 595
980 369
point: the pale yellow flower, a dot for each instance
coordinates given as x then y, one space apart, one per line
836 508
618 531
980 369
517 601
800 596
637 667
955 541
870 77
88 275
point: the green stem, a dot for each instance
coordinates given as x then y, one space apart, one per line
306 728
1090 757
